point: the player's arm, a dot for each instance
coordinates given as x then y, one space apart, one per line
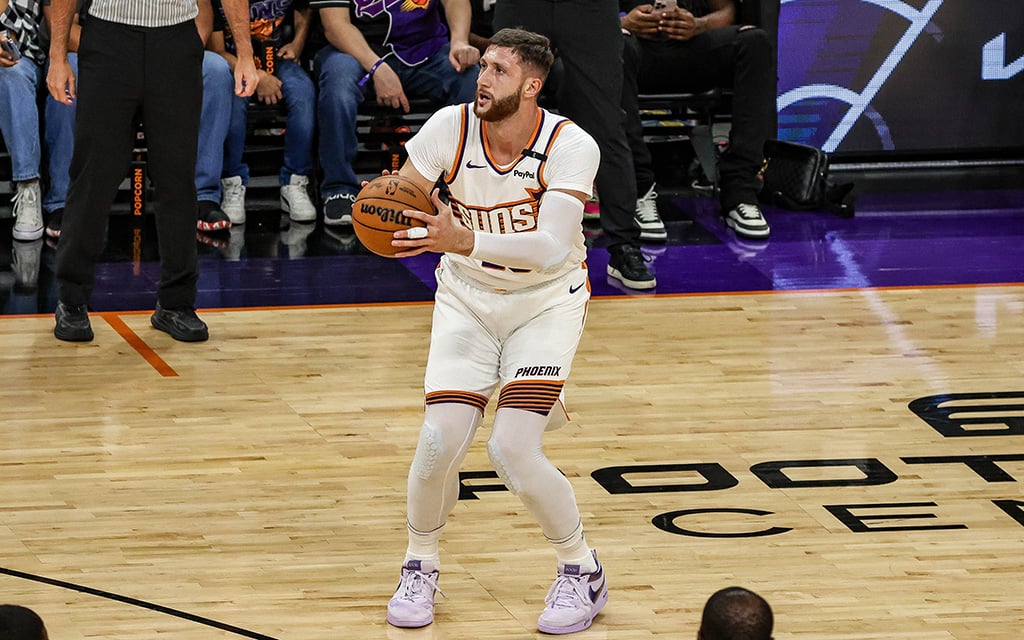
559 217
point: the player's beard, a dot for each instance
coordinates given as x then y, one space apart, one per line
500 108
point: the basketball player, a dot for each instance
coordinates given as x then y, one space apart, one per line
511 302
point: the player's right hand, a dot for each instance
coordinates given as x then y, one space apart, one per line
445 234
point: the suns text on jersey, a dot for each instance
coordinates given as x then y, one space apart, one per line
513 217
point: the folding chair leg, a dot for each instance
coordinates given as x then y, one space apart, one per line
707 152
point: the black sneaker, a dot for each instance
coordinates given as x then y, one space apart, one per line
182 324
72 323
53 226
338 209
211 218
627 265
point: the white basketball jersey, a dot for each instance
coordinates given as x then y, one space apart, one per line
491 198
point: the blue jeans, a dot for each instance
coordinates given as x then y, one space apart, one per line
19 117
59 137
218 94
218 89
300 101
340 95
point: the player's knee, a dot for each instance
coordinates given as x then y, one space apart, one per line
503 460
430 452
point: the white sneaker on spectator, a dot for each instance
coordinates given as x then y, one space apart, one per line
295 200
28 211
232 200
652 228
748 221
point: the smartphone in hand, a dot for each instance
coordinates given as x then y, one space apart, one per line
9 46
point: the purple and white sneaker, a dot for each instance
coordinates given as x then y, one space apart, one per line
413 602
573 600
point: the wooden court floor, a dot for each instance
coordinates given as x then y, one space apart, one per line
854 456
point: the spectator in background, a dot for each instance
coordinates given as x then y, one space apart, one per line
21 71
21 623
481 28
735 613
693 47
218 85
281 79
587 38
400 50
134 56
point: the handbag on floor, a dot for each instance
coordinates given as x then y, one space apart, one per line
795 176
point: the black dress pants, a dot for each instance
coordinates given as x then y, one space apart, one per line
124 70
740 59
587 39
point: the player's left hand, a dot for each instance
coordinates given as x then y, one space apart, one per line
445 234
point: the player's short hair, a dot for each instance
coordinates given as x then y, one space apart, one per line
533 49
735 613
20 623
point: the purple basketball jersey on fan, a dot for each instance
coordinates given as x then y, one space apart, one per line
415 31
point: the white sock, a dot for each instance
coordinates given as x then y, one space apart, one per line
424 545
573 549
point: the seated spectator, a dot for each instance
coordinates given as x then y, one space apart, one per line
694 47
735 613
218 89
399 53
21 72
21 623
281 80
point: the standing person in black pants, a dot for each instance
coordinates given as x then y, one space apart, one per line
587 37
134 57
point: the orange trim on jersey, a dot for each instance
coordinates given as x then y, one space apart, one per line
461 148
457 397
536 396
547 149
487 147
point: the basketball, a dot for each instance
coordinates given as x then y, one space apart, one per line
377 211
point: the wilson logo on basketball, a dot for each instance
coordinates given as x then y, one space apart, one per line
385 214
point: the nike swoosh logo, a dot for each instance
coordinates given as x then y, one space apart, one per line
600 586
573 289
470 165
